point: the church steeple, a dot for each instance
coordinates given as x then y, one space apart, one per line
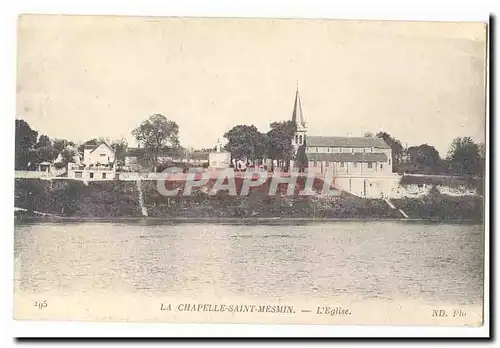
297 116
299 138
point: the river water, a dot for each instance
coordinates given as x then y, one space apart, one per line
429 262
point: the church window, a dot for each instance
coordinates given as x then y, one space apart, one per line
340 150
389 161
296 138
315 164
381 166
317 150
341 164
328 149
370 165
300 139
327 164
355 164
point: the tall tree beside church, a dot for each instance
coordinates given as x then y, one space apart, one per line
424 158
396 147
245 143
26 139
464 156
279 142
157 135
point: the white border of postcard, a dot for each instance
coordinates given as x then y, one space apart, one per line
354 9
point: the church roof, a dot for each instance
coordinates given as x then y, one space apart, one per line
347 157
378 143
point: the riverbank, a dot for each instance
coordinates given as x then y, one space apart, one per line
24 219
118 200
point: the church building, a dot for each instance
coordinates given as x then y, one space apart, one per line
347 156
360 165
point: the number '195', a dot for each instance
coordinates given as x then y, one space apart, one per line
41 304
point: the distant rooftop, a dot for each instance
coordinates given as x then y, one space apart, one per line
347 157
347 142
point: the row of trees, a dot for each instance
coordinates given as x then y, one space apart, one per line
159 136
464 157
247 143
32 148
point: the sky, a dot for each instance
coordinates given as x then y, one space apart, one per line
83 77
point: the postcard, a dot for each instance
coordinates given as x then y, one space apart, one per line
268 171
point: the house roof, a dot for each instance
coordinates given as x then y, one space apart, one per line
139 151
94 147
346 142
134 151
347 157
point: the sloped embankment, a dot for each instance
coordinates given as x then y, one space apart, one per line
258 203
116 199
73 198
443 207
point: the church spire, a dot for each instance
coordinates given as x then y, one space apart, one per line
297 116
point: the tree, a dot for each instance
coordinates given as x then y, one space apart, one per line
93 141
67 155
424 158
120 148
396 147
44 150
301 160
279 142
464 156
482 157
245 143
60 144
368 135
157 134
25 141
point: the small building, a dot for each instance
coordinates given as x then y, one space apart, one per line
133 157
219 159
46 168
98 164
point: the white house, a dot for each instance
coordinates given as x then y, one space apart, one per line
98 155
360 165
98 164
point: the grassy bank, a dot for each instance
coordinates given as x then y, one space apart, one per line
73 198
259 204
119 199
443 207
